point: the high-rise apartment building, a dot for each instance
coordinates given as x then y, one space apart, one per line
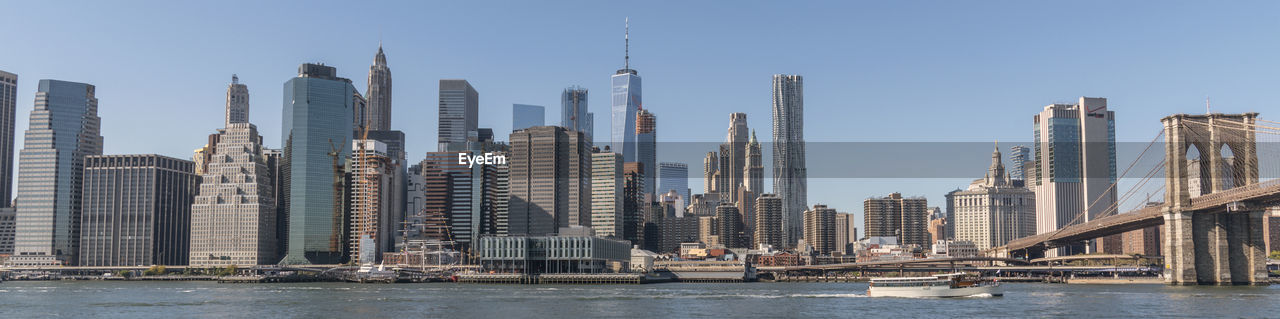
729 225
790 177
606 193
820 229
371 212
573 110
647 149
625 104
377 113
846 233
63 130
8 114
904 218
634 202
1075 165
524 116
674 176
137 210
318 125
550 180
459 115
768 227
992 211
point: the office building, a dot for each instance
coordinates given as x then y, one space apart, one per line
904 218
729 226
318 114
524 116
606 193
846 233
634 202
768 227
573 110
459 115
733 158
237 102
710 168
460 199
790 177
1075 157
647 149
674 177
63 130
539 254
625 104
1020 161
371 206
8 114
992 212
550 180
377 113
820 229
7 223
137 210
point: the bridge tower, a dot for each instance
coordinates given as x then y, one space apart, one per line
1211 245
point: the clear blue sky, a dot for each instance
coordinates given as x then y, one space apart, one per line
945 71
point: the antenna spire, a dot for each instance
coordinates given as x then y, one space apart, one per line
626 37
1207 110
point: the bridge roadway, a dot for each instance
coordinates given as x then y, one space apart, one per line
849 266
1260 193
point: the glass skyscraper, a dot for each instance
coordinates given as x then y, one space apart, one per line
317 141
459 115
790 175
1075 164
674 176
63 130
573 109
626 102
524 116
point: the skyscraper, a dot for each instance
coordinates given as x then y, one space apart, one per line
846 233
768 228
729 223
550 180
524 116
573 109
626 102
733 158
820 229
237 102
606 193
459 115
234 216
790 177
1075 158
317 141
633 202
460 199
647 149
372 217
674 176
137 210
992 211
1020 161
8 112
377 113
63 130
895 216
710 168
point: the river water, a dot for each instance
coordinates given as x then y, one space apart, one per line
72 299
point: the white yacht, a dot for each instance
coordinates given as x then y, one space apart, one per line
948 285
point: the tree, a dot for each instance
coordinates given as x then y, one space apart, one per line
1274 255
155 271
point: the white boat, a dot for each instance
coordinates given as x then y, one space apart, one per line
948 285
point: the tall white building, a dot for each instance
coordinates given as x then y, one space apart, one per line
606 193
234 217
372 218
790 177
1075 165
992 211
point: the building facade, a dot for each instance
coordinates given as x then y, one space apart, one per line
674 176
790 177
317 122
573 110
820 229
137 210
459 115
625 103
1075 165
460 202
1020 161
377 114
992 211
647 149
606 193
8 115
768 227
550 180
371 212
524 116
904 218
234 216
63 130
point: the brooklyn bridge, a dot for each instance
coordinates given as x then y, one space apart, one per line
1214 238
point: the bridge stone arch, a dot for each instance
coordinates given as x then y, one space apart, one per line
1214 245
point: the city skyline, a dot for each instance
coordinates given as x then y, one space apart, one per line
837 87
